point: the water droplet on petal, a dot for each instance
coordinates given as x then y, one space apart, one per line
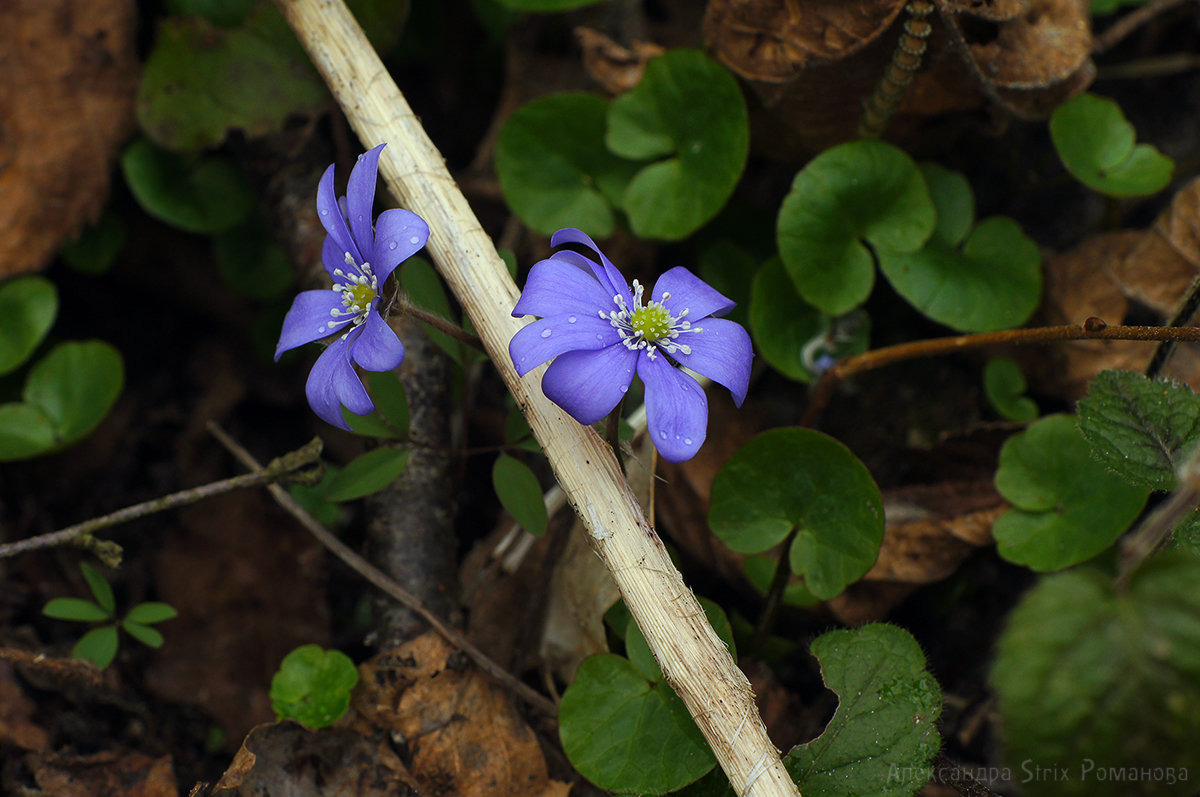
546 333
687 441
571 319
391 244
414 240
624 388
663 434
599 337
324 212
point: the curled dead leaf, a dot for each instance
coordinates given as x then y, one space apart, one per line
616 68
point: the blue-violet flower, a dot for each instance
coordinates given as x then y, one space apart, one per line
359 258
600 332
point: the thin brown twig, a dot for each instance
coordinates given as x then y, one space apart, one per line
1092 329
279 469
1129 23
365 569
442 325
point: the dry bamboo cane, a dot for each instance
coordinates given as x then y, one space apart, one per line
693 659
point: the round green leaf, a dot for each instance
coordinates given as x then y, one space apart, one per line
760 571
624 733
99 646
688 110
97 247
28 306
520 493
75 609
791 334
993 281
75 386
367 474
1067 507
313 686
883 736
553 167
1098 147
789 479
199 194
151 612
101 589
855 195
148 636
25 432
1005 386
1093 680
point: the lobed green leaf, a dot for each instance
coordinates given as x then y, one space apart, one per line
1004 385
28 306
312 686
201 194
1098 146
75 386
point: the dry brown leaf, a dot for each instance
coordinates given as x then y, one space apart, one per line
286 758
614 67
581 591
995 10
129 774
1044 46
70 72
1179 224
461 732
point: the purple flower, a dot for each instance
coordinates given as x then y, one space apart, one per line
359 259
601 332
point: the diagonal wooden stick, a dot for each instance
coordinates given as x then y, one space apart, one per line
693 659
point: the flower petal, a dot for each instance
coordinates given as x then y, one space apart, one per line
330 214
549 337
722 352
332 383
691 293
553 287
360 199
608 274
588 384
305 320
399 234
377 348
676 409
332 257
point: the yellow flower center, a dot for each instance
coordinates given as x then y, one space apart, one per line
652 321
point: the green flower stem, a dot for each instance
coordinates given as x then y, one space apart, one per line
365 569
295 466
716 693
1092 329
442 325
779 582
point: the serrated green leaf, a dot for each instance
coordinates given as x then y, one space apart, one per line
625 734
99 646
787 479
1140 428
553 167
1092 681
150 637
637 649
100 588
76 609
151 612
883 735
201 81
312 686
688 114
28 306
95 249
367 474
75 386
855 195
1097 145
520 493
1067 507
205 194
1004 385
1186 535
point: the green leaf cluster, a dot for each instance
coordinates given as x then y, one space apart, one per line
313 686
623 727
1067 507
1099 148
99 645
1100 683
803 484
667 154
67 392
866 202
